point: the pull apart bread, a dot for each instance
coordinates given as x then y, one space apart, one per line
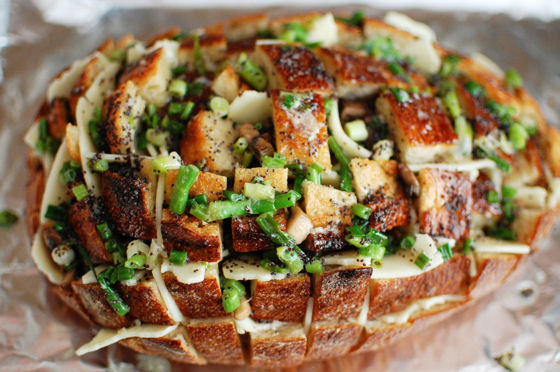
273 191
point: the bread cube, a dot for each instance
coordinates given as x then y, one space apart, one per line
226 84
130 203
145 301
293 67
445 203
208 140
59 115
123 112
84 223
202 241
480 188
330 213
92 299
280 348
281 299
89 73
277 177
331 339
210 184
474 109
216 339
301 129
419 127
376 186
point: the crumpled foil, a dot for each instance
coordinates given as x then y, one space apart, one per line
38 333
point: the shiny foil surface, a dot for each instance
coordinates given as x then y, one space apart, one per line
37 333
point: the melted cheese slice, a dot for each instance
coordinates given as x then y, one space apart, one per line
347 258
42 258
404 22
62 85
189 273
491 245
467 166
170 303
248 325
350 147
323 30
107 337
55 193
102 85
423 304
250 107
248 268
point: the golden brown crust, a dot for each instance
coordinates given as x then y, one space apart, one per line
59 115
145 302
277 349
282 299
327 340
247 236
83 221
33 196
217 340
492 269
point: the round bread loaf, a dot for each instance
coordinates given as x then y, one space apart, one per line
272 191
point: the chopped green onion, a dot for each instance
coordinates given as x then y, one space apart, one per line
117 55
164 163
501 232
273 266
8 218
252 73
518 136
286 200
508 192
258 191
60 226
361 211
157 137
69 172
294 32
376 252
501 163
493 197
356 130
93 128
397 70
111 245
356 20
104 231
289 101
220 210
328 106
445 251
138 261
275 161
231 300
178 88
261 206
247 159
513 79
422 260
100 165
152 109
290 258
271 228
508 209
449 66
80 191
189 106
198 57
381 48
400 94
118 257
178 70
240 145
56 213
345 178
198 199
298 182
124 273
219 106
475 89
186 177
177 257
452 103
408 241
314 267
314 173
175 127
175 108
233 196
468 245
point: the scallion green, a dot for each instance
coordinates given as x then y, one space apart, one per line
177 257
275 161
421 261
186 177
178 88
80 191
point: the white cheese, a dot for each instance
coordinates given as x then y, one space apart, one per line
362 316
488 64
189 273
170 303
32 135
351 148
62 85
94 97
323 30
531 197
424 55
308 315
42 258
170 49
347 258
423 304
492 245
554 195
250 107
55 193
107 337
89 278
248 268
248 325
467 166
138 274
135 52
404 22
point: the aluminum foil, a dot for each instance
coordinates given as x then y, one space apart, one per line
38 333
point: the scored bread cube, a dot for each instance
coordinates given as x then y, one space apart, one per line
419 127
216 339
151 75
227 83
331 339
330 213
92 299
247 236
358 75
123 111
395 294
197 300
145 301
280 299
376 186
474 109
293 67
208 140
213 46
202 241
175 346
300 128
445 203
340 293
210 184
281 348
130 203
84 223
